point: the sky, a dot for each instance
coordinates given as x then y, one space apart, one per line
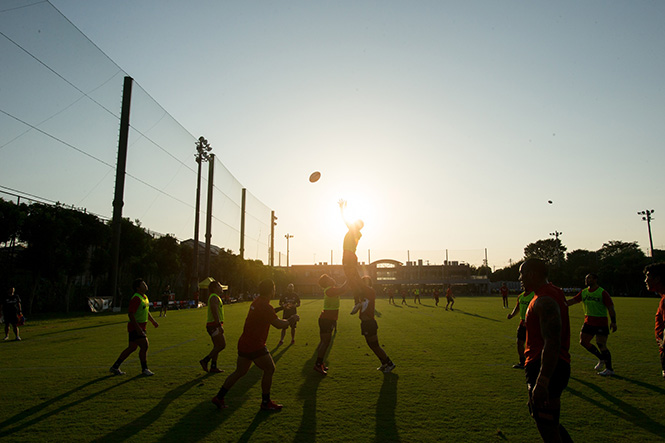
447 126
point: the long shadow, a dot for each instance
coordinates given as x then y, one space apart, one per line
386 426
40 407
476 315
308 392
62 331
622 410
204 418
642 384
152 415
259 418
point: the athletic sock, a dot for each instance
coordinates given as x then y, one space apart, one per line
607 357
222 392
319 361
206 359
117 363
594 350
144 365
213 364
265 398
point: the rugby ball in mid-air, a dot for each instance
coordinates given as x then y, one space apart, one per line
316 175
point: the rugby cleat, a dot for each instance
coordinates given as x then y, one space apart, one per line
389 367
600 366
271 406
147 372
116 371
518 366
215 370
606 373
219 402
321 369
382 367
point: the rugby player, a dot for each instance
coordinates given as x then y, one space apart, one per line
252 346
369 327
596 303
215 328
139 314
522 304
328 318
289 302
547 356
655 281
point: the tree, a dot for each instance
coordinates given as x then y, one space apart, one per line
551 250
621 265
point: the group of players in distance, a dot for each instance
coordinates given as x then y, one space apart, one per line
252 342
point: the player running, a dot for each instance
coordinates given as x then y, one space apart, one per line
547 362
252 346
369 327
289 302
522 304
450 298
655 281
11 312
215 328
596 303
327 319
139 314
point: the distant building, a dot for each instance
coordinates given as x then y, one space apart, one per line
391 274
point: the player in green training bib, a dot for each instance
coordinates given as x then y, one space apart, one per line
522 305
215 328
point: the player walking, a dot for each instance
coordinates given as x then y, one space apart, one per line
139 314
252 346
522 304
328 318
547 362
655 281
11 311
289 301
450 298
215 328
596 303
369 327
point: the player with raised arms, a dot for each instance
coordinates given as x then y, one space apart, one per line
328 318
252 346
349 257
522 304
215 328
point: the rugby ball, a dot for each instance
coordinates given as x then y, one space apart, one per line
314 177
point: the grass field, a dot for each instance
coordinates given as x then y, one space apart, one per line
453 381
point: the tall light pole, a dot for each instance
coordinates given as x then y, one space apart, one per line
647 218
203 149
287 236
556 234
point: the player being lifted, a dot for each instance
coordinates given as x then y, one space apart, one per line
596 303
349 257
328 318
523 301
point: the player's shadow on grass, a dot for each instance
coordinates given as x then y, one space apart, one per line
63 331
622 410
386 426
308 392
642 384
207 418
477 316
151 416
21 426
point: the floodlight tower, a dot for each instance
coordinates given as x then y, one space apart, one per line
288 237
203 149
556 234
647 218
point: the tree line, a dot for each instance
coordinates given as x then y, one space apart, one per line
57 257
618 264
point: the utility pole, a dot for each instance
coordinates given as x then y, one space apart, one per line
647 218
203 149
243 208
288 237
273 223
211 183
118 202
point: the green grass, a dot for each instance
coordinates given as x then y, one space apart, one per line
453 381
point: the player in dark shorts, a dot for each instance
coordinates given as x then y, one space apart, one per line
523 301
252 346
214 327
327 319
504 295
391 296
450 298
655 282
11 312
596 303
139 314
289 302
349 257
403 294
369 327
547 356
435 294
166 297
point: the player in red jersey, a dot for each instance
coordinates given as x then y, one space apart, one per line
504 295
547 365
450 298
369 327
655 281
597 304
252 346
